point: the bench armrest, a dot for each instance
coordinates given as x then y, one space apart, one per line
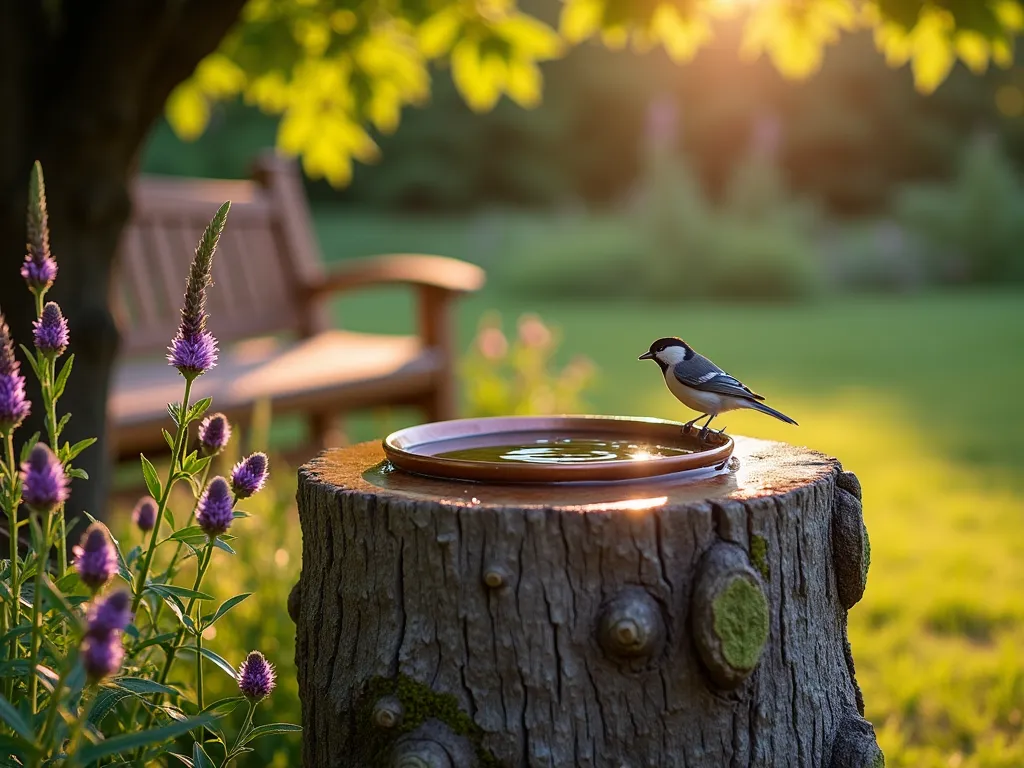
438 272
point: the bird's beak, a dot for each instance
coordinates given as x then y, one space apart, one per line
646 356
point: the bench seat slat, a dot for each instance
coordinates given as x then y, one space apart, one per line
334 370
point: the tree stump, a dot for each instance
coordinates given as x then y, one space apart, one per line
656 623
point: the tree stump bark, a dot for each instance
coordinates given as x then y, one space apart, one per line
657 623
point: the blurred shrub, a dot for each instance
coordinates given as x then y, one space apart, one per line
520 378
974 225
673 243
875 256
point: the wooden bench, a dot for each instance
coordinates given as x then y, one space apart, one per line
269 311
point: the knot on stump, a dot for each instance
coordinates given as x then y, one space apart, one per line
855 745
730 615
851 548
631 625
495 576
388 712
433 745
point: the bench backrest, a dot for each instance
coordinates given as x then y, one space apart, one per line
267 254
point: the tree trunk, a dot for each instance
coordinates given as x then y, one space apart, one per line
652 624
83 83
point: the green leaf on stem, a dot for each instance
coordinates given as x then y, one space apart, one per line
169 517
226 606
152 481
135 650
31 357
78 447
224 707
63 423
56 600
26 449
81 474
198 409
194 464
62 377
186 534
25 629
270 730
218 660
199 757
126 742
174 411
220 544
168 439
14 720
186 760
143 686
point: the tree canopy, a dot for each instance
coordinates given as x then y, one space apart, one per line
334 69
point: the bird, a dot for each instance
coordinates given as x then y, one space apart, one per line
701 385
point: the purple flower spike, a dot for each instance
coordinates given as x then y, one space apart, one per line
111 615
256 678
193 355
249 475
144 514
39 269
215 509
43 482
214 433
50 332
14 406
102 650
102 656
193 350
95 559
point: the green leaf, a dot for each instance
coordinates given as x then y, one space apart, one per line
218 660
174 411
224 707
55 598
199 408
186 760
152 481
26 449
158 640
31 357
13 719
226 606
81 474
25 629
168 439
62 377
127 742
270 730
185 534
180 592
106 700
219 543
195 464
78 447
169 516
143 686
64 422
199 757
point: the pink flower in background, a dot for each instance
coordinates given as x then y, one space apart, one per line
492 343
533 333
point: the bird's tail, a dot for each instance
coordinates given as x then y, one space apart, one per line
771 412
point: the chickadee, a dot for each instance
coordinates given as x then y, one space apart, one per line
701 385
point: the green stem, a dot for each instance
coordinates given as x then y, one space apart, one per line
177 550
42 561
179 638
246 727
179 437
51 715
200 698
12 525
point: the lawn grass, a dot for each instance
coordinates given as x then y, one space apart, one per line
916 394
